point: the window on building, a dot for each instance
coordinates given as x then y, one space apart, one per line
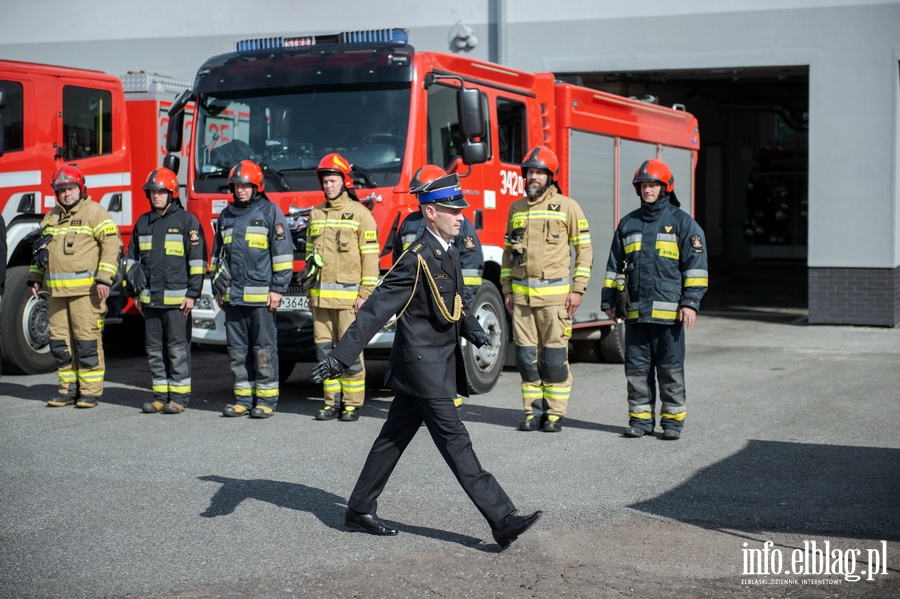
87 122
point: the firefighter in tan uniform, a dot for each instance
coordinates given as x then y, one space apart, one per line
76 258
541 289
342 241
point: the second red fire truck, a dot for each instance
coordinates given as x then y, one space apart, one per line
286 102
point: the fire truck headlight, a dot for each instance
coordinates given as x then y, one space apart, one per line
204 302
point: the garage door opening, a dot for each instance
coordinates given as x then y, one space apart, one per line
752 176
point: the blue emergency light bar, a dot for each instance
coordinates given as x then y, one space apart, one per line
396 37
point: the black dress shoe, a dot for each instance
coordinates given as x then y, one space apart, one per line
514 525
671 434
369 523
634 432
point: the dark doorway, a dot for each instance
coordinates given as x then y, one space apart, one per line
752 171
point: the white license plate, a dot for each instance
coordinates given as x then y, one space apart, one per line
294 302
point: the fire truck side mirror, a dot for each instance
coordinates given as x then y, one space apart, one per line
474 152
176 122
174 133
172 162
470 104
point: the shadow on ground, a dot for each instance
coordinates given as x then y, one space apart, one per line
812 490
327 507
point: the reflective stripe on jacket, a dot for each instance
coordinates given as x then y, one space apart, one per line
547 227
258 251
85 249
662 250
344 234
172 250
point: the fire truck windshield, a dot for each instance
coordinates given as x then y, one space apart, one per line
287 132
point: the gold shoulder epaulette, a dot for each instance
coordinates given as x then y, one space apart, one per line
416 248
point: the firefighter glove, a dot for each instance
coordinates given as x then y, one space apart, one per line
328 368
517 250
39 247
221 280
307 277
136 279
622 299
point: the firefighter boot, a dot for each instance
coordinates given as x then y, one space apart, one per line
553 424
235 410
153 407
60 401
87 401
350 414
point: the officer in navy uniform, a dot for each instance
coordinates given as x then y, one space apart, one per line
425 368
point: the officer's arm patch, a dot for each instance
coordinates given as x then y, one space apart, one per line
697 244
371 236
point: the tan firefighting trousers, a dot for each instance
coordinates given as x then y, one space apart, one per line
329 326
76 342
541 336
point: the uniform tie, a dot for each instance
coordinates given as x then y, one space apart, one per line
454 261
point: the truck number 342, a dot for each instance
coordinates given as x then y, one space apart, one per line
511 183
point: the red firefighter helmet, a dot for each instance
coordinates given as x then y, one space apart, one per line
424 176
654 170
247 171
68 176
162 179
542 157
336 164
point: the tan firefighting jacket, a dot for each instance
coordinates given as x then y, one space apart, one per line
343 234
85 249
540 233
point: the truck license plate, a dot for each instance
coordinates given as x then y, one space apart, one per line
294 302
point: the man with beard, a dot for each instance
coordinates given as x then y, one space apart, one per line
541 289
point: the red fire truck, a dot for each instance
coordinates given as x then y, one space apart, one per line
113 129
285 102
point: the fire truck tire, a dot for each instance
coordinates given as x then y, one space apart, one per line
612 344
584 350
484 365
24 327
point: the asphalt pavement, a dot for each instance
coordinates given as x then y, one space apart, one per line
789 439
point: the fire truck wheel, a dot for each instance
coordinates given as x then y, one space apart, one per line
584 350
484 365
612 344
24 327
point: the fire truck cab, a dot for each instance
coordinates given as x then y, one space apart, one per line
113 129
286 102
